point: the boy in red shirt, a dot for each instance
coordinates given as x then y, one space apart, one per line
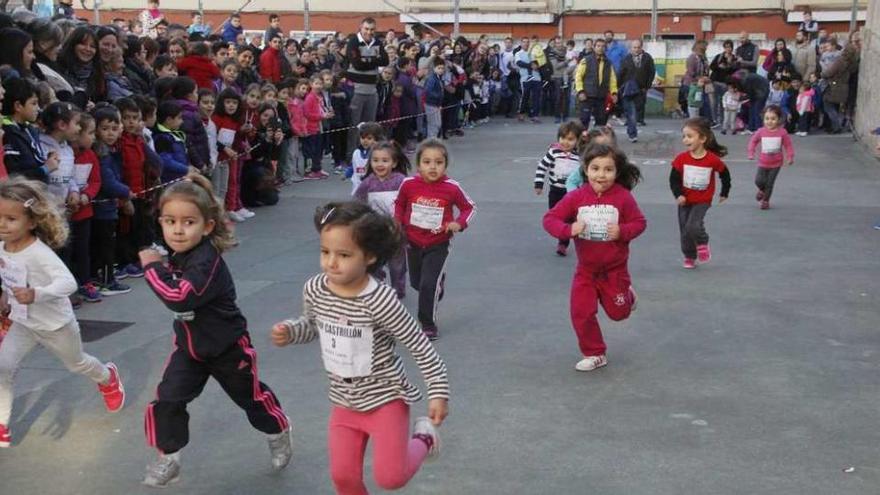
424 207
135 227
87 172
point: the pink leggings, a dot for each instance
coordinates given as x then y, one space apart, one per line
396 456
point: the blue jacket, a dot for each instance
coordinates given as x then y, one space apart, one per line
434 91
616 52
230 32
171 146
24 155
112 187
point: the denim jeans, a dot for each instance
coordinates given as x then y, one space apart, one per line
531 97
756 106
629 109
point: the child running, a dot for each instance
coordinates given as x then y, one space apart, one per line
602 218
424 207
36 287
210 336
358 322
692 180
386 170
776 148
558 164
596 135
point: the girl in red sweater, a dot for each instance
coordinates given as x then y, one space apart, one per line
230 143
692 180
87 172
602 217
313 144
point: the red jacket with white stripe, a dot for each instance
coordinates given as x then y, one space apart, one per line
198 288
426 208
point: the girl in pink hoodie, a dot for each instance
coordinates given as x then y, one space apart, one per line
776 147
602 217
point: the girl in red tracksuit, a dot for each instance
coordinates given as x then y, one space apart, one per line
88 176
230 143
424 208
602 218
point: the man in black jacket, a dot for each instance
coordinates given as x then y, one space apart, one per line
638 66
365 55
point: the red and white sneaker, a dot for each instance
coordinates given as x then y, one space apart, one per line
689 264
5 437
113 392
704 254
590 363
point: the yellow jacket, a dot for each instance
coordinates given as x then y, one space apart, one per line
581 71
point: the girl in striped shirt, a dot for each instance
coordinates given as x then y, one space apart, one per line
358 322
561 160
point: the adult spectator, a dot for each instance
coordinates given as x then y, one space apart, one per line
747 53
79 58
803 55
594 82
530 80
108 44
757 88
247 75
48 37
838 75
137 70
721 69
509 78
587 50
809 26
779 47
614 50
637 72
365 55
558 97
150 19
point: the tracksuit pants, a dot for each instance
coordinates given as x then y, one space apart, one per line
427 271
589 289
765 178
693 232
396 272
396 456
166 422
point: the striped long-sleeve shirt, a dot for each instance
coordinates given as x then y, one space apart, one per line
357 344
555 167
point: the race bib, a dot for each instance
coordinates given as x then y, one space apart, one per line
565 167
596 219
81 173
698 96
347 350
771 144
14 274
697 178
426 217
382 202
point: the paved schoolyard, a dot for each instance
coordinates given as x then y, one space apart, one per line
754 374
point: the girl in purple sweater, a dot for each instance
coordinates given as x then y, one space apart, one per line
386 169
776 148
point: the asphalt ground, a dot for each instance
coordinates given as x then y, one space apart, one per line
754 374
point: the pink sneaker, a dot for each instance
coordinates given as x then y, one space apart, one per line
704 254
561 250
689 263
765 205
113 392
759 195
315 176
5 437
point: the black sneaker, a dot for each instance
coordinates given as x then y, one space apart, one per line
431 332
114 288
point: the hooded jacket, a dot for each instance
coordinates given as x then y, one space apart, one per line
23 153
196 137
171 146
200 68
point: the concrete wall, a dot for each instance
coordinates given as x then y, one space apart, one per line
868 105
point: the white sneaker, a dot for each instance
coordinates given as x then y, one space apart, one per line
801 134
236 217
246 213
280 448
163 471
424 426
590 363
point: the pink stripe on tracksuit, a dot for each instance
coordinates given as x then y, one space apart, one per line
396 456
